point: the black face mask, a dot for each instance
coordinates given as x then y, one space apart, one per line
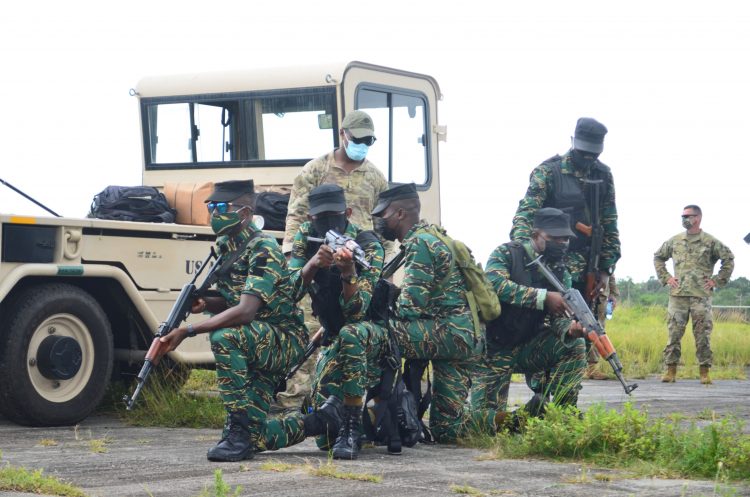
323 224
554 252
583 160
381 228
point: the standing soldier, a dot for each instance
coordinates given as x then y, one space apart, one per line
257 331
347 167
694 254
431 320
572 183
532 335
341 293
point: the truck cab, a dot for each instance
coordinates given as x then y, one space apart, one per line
80 299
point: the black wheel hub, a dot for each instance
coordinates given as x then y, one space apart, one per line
59 358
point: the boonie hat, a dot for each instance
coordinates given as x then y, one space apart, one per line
553 221
226 191
327 198
359 124
399 192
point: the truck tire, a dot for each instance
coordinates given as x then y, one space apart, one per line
56 354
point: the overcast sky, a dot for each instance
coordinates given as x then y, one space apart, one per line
669 79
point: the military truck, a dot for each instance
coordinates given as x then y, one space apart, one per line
80 298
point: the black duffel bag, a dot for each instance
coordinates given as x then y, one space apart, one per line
272 206
132 203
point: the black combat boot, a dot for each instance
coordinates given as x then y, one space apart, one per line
236 446
326 420
349 440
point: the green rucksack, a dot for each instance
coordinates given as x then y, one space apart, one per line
480 294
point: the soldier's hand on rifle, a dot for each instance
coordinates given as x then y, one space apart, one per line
199 305
323 258
172 340
344 261
576 330
673 282
554 303
601 283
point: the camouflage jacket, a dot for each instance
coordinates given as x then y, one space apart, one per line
355 309
433 287
694 257
361 187
540 186
499 267
261 271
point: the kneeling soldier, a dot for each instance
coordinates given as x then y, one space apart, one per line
532 335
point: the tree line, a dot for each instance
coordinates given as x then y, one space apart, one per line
652 292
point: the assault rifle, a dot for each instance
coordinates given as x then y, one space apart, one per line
580 311
337 241
178 314
596 233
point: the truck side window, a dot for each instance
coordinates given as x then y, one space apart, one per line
401 151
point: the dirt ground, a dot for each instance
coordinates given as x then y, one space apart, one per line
165 462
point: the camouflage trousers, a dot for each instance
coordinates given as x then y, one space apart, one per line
299 385
699 310
543 353
349 366
250 362
453 348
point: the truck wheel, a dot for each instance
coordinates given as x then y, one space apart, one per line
56 354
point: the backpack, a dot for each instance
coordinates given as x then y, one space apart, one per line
396 422
273 207
480 294
132 203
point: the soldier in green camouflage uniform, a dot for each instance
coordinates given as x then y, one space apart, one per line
694 254
432 319
532 335
349 363
257 331
348 167
561 182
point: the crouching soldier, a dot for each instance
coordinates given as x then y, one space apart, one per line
257 331
341 292
532 335
431 320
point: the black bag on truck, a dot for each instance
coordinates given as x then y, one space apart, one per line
132 203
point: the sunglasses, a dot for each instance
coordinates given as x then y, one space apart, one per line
366 140
221 207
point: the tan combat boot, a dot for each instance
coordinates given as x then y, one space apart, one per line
705 379
592 373
671 374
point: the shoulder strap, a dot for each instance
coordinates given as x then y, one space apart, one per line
232 257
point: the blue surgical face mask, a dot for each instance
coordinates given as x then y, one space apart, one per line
356 152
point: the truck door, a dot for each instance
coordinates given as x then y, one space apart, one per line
403 106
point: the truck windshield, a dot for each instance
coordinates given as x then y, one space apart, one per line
230 130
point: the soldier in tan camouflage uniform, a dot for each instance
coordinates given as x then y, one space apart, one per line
348 167
694 254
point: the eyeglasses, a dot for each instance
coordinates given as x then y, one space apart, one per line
221 207
367 140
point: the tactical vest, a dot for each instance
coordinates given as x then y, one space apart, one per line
518 324
327 288
569 194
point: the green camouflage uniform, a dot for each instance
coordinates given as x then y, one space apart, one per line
361 187
694 257
540 185
252 359
350 363
551 350
539 194
432 320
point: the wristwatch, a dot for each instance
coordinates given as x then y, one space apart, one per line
191 331
352 280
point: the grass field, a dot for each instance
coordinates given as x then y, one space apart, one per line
640 333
